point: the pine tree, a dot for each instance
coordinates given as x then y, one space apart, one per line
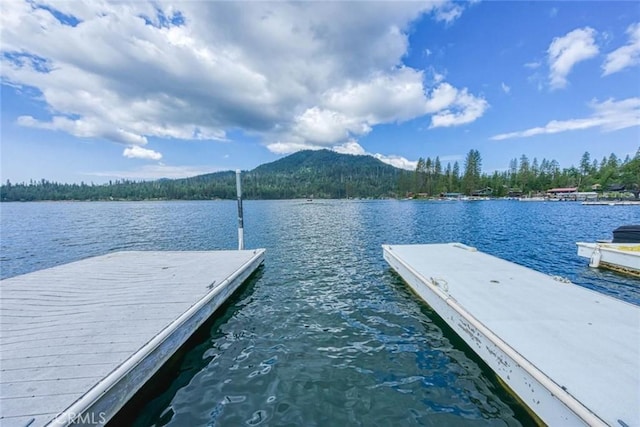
472 171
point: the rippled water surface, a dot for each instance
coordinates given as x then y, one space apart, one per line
324 334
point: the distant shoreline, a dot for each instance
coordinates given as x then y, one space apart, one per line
618 201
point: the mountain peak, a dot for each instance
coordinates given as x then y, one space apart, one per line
320 160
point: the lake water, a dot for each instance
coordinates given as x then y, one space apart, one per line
325 333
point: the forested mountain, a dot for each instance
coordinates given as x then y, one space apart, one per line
323 174
320 174
327 174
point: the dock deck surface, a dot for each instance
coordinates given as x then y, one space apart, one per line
577 347
82 338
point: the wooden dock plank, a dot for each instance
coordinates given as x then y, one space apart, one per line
26 388
584 342
92 332
33 349
16 407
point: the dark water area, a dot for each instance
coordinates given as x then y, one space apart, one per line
325 333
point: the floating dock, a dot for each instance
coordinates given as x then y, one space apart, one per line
570 354
79 340
613 203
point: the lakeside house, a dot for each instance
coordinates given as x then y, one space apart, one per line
617 187
485 192
571 193
563 193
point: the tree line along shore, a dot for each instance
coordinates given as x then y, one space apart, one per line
327 174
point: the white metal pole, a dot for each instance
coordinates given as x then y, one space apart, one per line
240 214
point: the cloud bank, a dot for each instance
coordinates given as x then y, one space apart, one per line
296 75
609 115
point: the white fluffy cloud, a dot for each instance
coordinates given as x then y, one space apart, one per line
319 126
397 161
137 152
352 111
85 128
625 56
352 147
609 115
349 147
449 13
565 52
464 108
297 75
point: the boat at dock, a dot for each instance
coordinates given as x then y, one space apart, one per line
531 199
622 254
621 257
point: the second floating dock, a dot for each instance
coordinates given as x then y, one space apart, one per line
572 355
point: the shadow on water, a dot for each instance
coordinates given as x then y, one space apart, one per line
486 375
457 387
155 396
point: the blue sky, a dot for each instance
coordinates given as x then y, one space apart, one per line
145 90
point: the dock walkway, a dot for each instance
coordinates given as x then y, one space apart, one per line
78 340
572 355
